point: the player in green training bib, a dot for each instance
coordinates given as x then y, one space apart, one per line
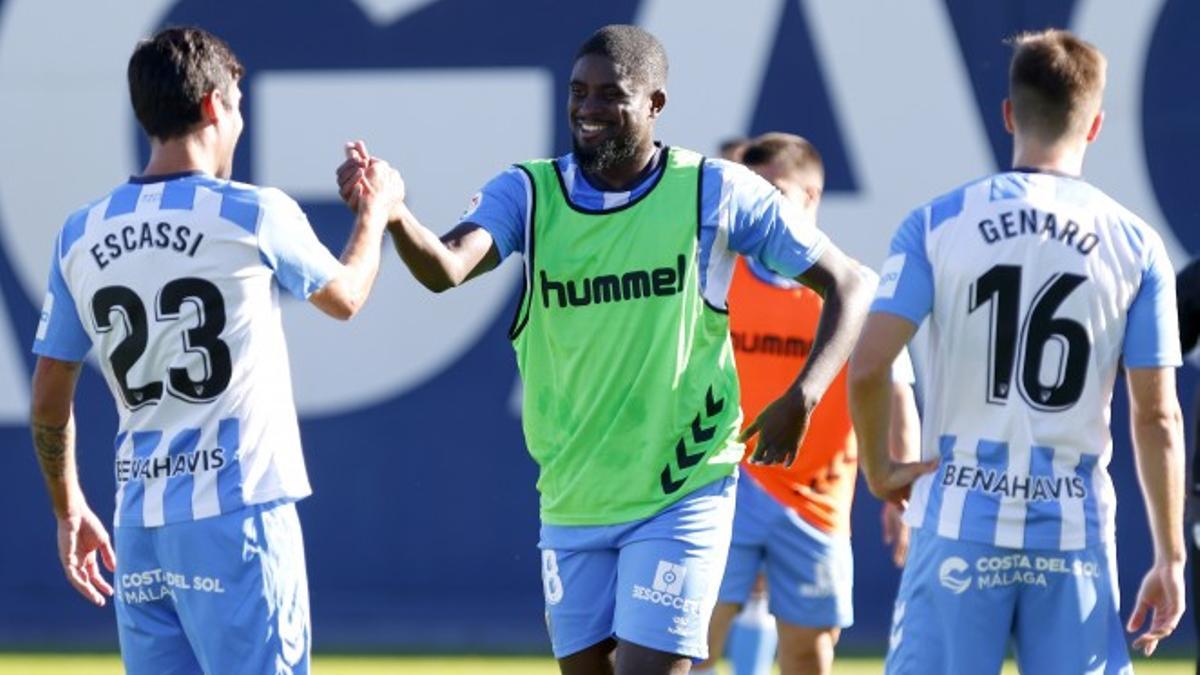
631 398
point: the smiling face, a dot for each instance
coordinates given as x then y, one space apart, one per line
611 114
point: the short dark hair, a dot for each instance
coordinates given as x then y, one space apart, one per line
632 49
1056 82
171 73
799 155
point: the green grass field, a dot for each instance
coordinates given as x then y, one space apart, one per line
109 664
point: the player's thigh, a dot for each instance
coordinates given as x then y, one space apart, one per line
810 575
1067 617
152 639
579 590
242 589
949 618
670 570
636 659
804 650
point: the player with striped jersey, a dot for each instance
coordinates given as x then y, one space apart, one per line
173 278
1038 287
622 339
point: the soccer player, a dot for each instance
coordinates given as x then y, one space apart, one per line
173 278
622 339
1038 286
794 522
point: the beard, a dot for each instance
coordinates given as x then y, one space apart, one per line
609 153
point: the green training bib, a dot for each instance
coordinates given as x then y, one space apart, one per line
631 395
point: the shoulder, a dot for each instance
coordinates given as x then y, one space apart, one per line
76 223
249 206
725 171
949 204
1142 237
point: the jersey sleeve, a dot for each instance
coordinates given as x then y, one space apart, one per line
763 224
1152 327
906 278
1187 293
60 335
500 208
289 246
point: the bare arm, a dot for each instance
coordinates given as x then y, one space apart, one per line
53 427
438 264
375 190
847 294
904 429
904 445
870 406
1157 426
80 534
782 424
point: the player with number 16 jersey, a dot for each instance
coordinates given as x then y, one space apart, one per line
1038 286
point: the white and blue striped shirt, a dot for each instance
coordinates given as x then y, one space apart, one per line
174 280
1037 286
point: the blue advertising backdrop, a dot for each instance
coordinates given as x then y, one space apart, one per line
422 530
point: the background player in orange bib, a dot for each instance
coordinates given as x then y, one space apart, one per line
793 523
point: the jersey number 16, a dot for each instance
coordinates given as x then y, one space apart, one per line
1000 288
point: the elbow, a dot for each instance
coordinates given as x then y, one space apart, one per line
47 407
865 368
440 285
346 307
1166 421
442 282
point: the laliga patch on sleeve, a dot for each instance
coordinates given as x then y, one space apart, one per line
476 200
889 276
44 321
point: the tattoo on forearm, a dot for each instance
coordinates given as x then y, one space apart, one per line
52 442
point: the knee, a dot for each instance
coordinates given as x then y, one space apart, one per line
808 651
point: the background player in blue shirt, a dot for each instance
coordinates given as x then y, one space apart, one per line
1038 287
174 278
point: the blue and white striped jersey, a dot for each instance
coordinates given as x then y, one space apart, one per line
1037 286
174 280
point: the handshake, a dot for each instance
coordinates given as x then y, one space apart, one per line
368 184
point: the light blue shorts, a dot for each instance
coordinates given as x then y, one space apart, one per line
652 582
810 574
960 603
226 595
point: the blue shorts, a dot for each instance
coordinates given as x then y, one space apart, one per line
226 594
810 574
652 582
961 602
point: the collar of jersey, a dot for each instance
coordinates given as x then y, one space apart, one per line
164 177
567 162
1048 172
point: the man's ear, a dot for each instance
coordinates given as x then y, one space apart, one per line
1007 111
812 196
210 104
658 101
1097 123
